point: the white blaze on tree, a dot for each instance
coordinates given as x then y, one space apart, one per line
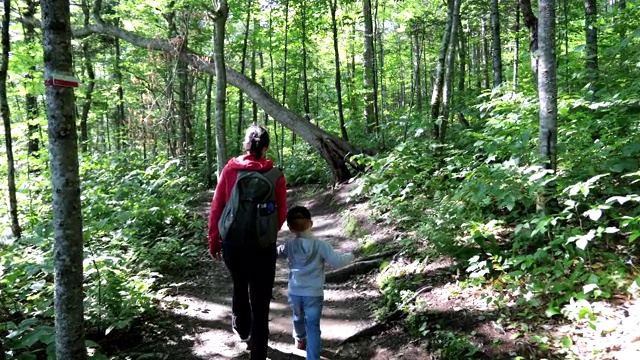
65 181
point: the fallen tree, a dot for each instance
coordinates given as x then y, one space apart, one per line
335 151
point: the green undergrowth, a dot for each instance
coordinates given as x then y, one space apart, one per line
476 199
137 228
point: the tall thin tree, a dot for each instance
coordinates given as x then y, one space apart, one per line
496 45
31 99
220 17
336 57
449 70
65 180
436 92
6 119
547 83
591 48
369 70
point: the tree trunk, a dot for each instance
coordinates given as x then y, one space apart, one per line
449 70
207 133
284 77
243 66
462 71
369 81
305 80
591 48
338 82
531 21
547 86
485 55
496 46
31 99
516 49
254 106
65 180
86 105
221 13
416 39
436 94
6 119
119 132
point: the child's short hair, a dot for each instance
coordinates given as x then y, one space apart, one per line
296 218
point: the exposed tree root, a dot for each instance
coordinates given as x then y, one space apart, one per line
385 323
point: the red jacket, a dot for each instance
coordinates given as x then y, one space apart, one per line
223 193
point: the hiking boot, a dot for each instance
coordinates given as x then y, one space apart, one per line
301 344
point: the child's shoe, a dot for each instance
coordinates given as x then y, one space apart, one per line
301 344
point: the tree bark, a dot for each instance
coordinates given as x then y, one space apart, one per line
449 70
119 132
254 106
338 81
591 48
547 83
496 46
6 119
221 14
369 81
436 94
65 180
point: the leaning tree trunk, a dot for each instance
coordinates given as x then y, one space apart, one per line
221 13
338 81
496 46
6 119
591 56
335 151
65 180
436 94
547 83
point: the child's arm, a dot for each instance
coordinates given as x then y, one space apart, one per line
334 258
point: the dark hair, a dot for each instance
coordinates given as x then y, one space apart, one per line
296 218
255 140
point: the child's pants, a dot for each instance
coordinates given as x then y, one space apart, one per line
306 322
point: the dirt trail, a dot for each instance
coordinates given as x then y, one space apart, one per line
201 305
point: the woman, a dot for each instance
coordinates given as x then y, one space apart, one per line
251 265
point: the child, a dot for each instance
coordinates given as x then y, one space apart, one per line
306 256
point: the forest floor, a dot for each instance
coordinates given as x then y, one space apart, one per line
195 317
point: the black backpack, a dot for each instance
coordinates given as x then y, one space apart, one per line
250 216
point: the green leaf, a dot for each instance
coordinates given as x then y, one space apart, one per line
566 342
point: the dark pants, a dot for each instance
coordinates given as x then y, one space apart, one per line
252 272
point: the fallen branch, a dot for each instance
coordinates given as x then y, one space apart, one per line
381 325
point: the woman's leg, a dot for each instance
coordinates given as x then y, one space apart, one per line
240 307
312 306
263 272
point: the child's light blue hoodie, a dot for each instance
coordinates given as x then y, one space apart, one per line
306 256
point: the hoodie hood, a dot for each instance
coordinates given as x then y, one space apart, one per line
248 162
302 251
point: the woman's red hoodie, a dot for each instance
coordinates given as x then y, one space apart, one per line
223 193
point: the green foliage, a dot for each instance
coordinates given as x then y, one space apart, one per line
305 166
136 227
